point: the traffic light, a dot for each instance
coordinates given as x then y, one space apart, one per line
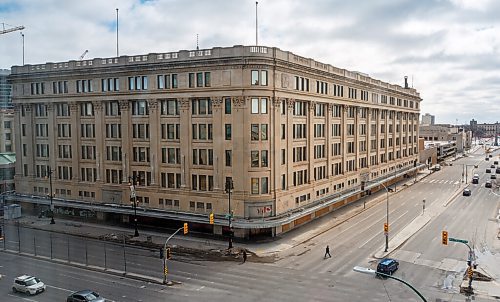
444 237
169 254
162 253
185 228
386 228
211 218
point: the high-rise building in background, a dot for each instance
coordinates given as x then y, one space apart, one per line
428 119
296 137
5 90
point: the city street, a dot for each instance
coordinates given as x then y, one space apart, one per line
300 273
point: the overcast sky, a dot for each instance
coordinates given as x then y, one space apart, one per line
449 49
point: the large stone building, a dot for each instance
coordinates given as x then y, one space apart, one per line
484 129
295 136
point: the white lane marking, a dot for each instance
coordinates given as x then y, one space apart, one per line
25 299
198 289
392 221
60 288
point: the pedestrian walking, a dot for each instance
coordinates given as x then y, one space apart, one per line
327 252
244 256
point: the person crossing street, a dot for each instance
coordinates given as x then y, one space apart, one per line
327 252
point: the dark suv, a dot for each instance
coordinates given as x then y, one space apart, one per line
387 266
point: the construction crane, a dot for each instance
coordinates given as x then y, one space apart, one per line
83 55
8 30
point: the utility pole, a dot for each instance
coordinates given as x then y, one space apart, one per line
22 35
117 32
51 198
229 188
133 195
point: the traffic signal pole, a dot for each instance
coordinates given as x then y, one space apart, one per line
165 267
470 269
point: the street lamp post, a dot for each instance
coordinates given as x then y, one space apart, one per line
387 219
133 195
51 198
370 271
22 36
386 230
229 188
466 169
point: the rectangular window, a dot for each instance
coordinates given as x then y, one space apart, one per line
140 107
263 157
255 185
191 80
254 132
199 79
227 105
208 81
228 158
254 157
255 77
228 131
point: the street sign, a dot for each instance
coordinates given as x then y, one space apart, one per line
457 240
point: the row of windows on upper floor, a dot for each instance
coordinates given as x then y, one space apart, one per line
204 106
205 182
203 79
302 84
204 131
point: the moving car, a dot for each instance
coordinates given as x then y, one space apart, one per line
28 284
493 176
467 192
487 158
487 184
492 166
497 170
86 295
496 162
387 266
437 167
488 170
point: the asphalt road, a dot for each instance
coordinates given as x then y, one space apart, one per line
300 274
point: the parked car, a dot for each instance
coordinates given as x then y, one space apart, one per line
487 184
475 180
487 158
492 166
28 284
467 192
437 167
497 170
493 176
86 295
488 170
387 266
496 162
491 155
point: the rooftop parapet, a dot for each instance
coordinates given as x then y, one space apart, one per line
213 53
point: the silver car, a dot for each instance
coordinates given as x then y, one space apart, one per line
86 295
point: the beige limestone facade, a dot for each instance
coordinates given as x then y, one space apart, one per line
295 136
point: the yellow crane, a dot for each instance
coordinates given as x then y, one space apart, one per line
8 30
